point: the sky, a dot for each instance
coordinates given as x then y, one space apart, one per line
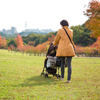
41 14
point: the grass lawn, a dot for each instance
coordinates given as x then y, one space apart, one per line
20 79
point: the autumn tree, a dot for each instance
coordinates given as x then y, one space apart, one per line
50 40
93 12
3 42
97 45
0 40
31 43
41 48
19 41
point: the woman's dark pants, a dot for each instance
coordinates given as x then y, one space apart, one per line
63 60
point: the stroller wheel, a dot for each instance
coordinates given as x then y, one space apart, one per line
45 75
58 76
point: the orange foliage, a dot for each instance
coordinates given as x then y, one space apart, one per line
0 40
97 44
50 40
93 12
79 49
88 50
19 41
3 42
11 47
41 48
94 26
31 43
26 48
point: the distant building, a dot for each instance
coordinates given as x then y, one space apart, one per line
32 30
8 32
13 30
46 30
3 30
39 31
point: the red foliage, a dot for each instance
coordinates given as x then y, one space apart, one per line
26 48
11 47
87 50
31 43
50 40
93 12
19 41
0 40
41 48
97 44
3 42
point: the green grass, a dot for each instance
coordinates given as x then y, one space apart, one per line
20 79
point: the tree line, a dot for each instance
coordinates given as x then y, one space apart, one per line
86 36
81 36
93 49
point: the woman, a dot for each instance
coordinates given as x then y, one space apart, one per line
65 48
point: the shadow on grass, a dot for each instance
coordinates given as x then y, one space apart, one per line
38 80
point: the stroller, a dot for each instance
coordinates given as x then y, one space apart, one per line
51 63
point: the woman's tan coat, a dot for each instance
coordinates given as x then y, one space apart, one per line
65 48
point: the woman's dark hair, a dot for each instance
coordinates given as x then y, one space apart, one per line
64 23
